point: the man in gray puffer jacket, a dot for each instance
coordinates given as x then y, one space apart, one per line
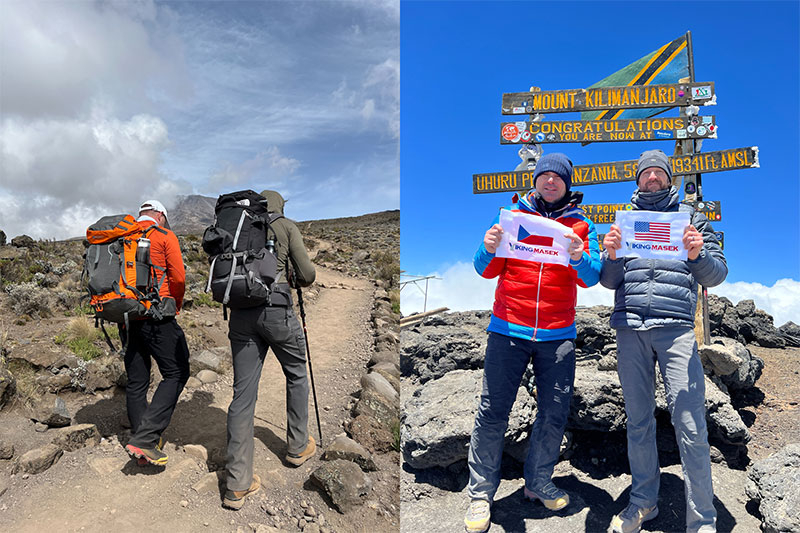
654 309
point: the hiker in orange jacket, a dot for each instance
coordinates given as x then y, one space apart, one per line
159 338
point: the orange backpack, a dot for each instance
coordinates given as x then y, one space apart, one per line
123 284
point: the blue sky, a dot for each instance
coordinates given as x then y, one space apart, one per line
108 103
458 59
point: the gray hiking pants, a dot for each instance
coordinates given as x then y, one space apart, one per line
251 332
675 351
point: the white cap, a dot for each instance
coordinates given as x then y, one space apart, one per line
154 205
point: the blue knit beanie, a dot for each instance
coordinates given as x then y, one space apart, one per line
555 162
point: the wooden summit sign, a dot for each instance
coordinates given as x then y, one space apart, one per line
733 159
644 129
604 98
606 213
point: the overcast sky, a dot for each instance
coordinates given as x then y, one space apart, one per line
106 104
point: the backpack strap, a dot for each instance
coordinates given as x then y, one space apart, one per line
238 232
270 219
155 227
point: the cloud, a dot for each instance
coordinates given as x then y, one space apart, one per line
359 187
60 59
781 300
55 169
383 85
268 166
460 288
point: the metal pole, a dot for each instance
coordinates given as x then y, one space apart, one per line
699 192
425 303
308 355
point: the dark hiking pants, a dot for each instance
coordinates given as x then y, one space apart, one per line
505 363
165 342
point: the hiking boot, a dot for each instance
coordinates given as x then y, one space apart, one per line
141 461
631 519
153 456
478 517
234 499
297 459
551 496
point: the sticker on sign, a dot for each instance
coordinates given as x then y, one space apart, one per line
510 132
701 92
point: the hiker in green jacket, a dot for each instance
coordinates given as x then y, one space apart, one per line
252 331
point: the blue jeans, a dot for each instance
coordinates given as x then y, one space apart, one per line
675 351
504 365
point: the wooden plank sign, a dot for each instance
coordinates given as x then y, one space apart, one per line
617 171
712 210
646 129
603 98
606 213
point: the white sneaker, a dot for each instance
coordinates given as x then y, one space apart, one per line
631 519
477 519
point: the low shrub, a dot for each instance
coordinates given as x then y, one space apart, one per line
387 266
205 298
29 299
394 297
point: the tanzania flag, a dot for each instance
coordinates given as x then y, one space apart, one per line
668 64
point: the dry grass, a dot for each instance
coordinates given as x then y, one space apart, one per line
80 336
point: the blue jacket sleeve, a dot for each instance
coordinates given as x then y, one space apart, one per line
483 258
588 266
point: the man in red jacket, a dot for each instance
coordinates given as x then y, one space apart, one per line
163 339
533 319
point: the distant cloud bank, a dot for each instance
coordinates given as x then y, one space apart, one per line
461 289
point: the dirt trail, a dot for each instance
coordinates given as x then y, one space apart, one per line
101 489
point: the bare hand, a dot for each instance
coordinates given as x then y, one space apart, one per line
613 241
575 249
492 238
692 241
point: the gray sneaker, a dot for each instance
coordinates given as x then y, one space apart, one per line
630 520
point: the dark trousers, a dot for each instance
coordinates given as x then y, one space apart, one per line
252 332
503 367
165 342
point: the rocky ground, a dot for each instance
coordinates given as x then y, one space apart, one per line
752 401
79 478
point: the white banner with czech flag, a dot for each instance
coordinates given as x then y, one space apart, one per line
533 238
652 234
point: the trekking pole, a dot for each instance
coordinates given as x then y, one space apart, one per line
308 352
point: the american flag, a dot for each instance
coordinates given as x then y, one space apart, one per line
651 231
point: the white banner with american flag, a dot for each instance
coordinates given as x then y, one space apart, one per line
652 234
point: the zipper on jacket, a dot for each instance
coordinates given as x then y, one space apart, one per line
538 291
650 284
